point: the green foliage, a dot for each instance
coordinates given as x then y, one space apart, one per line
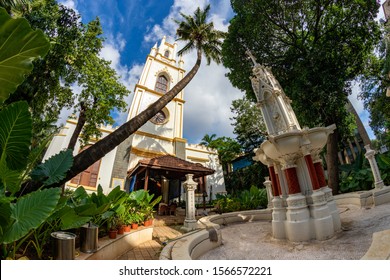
200 35
248 124
358 175
18 44
243 178
15 135
374 84
54 169
29 212
254 198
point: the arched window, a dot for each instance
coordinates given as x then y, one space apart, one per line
161 84
88 177
166 54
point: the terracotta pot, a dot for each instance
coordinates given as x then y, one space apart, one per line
127 228
112 233
148 223
121 230
134 226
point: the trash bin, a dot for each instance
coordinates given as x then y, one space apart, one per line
89 235
64 245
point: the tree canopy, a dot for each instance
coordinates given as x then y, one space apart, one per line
73 59
248 123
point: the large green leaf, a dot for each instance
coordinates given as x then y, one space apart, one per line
19 46
29 212
70 219
10 179
54 169
15 134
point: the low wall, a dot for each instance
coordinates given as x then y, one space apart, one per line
111 249
363 199
194 244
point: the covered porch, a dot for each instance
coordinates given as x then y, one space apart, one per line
163 175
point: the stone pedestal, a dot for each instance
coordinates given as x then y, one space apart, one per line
268 186
278 218
334 211
190 222
322 218
297 219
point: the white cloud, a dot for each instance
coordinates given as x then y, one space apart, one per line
71 4
209 95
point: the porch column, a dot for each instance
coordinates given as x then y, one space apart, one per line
146 179
190 222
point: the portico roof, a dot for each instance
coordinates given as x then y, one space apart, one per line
171 167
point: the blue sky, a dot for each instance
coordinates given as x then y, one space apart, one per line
132 27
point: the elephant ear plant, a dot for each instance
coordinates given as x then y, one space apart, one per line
20 215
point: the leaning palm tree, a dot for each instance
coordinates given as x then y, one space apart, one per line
200 36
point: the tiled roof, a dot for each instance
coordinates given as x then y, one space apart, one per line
169 162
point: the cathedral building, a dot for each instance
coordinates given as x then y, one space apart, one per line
156 157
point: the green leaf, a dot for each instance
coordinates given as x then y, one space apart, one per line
15 134
10 179
71 220
5 213
29 212
19 46
54 169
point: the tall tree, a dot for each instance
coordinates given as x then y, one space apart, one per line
315 48
248 123
101 90
72 59
375 85
201 36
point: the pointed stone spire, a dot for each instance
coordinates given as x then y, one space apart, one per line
162 46
153 51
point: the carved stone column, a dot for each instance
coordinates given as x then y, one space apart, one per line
370 155
268 186
190 185
275 187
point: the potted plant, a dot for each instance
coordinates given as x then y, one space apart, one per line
112 224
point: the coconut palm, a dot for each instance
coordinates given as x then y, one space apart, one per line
208 139
201 36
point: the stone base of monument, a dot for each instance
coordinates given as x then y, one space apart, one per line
278 218
381 196
332 205
189 225
298 224
321 216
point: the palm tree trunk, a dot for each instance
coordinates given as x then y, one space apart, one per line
89 156
79 126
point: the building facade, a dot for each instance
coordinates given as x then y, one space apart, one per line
160 136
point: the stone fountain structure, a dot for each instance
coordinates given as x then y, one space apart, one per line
303 205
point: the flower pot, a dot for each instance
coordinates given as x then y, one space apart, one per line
148 223
127 228
134 226
112 233
121 230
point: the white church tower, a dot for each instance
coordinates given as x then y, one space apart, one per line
163 134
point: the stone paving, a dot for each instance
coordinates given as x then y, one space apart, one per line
151 250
